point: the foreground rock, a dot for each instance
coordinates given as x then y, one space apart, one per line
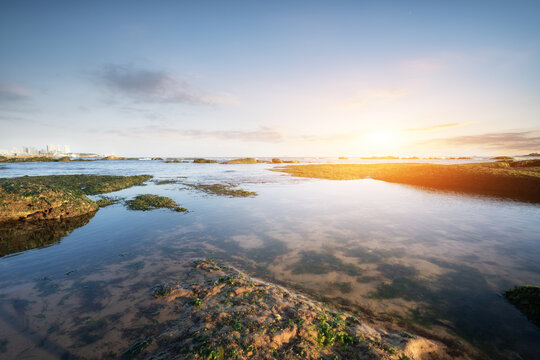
224 314
57 196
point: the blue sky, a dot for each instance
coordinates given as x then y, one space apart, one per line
295 78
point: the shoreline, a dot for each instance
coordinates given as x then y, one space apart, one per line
518 180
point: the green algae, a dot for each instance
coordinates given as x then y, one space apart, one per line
57 196
165 182
222 190
106 201
150 202
136 348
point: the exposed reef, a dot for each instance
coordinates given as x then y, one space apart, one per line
243 161
224 314
43 158
150 202
222 190
517 180
105 201
32 198
113 157
204 161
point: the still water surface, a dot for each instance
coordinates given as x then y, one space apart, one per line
426 260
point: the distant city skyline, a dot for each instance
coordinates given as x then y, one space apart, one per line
49 149
276 78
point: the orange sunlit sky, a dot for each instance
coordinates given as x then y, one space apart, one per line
276 78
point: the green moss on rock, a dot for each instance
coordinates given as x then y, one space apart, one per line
222 190
150 202
56 196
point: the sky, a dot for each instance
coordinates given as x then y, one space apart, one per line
271 78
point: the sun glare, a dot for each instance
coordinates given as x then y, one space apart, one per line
380 138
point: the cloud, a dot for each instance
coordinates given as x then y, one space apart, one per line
345 137
524 140
368 97
262 134
151 86
438 127
12 94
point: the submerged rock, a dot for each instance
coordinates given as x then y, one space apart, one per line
224 314
527 300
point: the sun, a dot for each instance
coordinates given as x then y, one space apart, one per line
380 138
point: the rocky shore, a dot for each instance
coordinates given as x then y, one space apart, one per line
56 197
516 180
224 314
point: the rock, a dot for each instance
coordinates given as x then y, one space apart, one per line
224 314
243 161
113 157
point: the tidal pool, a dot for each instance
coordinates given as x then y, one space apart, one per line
431 262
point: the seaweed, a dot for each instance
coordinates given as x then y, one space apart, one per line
150 202
222 190
136 348
57 196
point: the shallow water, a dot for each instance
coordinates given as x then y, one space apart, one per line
426 260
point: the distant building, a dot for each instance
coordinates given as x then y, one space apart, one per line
51 149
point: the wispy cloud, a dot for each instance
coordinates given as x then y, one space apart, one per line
262 134
439 127
523 140
13 94
152 86
369 97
